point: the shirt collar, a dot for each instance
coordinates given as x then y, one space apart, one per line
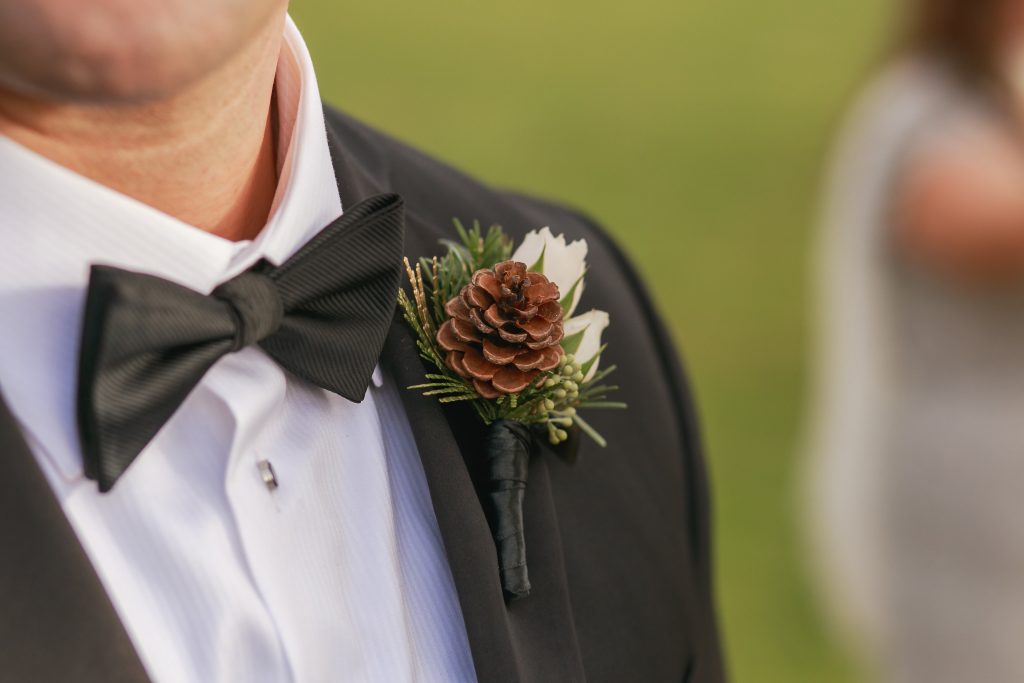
56 224
307 193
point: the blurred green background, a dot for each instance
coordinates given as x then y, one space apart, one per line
696 131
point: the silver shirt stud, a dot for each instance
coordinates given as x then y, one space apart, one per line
267 473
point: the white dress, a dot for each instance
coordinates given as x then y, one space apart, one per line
917 432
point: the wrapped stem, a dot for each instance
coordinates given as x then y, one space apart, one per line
507 452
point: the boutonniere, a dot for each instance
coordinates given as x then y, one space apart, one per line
500 331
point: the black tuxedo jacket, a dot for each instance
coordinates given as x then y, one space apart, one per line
618 543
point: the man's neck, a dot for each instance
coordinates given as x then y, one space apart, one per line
205 156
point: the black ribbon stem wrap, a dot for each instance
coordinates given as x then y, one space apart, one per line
507 448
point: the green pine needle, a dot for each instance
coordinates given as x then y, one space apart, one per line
589 431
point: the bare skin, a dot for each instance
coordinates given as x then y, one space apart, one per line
960 208
195 141
960 205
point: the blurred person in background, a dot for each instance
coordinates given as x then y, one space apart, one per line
917 478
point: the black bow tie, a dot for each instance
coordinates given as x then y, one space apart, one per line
146 342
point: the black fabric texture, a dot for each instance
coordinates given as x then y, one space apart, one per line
507 449
56 622
619 541
146 342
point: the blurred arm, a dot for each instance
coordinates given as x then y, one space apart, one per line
960 206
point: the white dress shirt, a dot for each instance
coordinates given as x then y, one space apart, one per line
339 573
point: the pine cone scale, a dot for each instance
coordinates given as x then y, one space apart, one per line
525 313
474 317
448 340
485 389
465 331
499 353
555 338
545 359
552 310
494 316
511 381
477 366
538 328
542 290
476 297
512 337
488 282
457 308
454 361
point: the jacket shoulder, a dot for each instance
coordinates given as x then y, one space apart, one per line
436 192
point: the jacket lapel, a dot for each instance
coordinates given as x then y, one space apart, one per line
464 529
534 638
58 623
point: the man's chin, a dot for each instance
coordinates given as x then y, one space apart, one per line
125 51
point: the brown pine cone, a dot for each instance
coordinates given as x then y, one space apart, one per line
504 330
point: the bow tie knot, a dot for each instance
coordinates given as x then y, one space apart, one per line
256 305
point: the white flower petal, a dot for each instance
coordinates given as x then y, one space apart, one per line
564 264
592 324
